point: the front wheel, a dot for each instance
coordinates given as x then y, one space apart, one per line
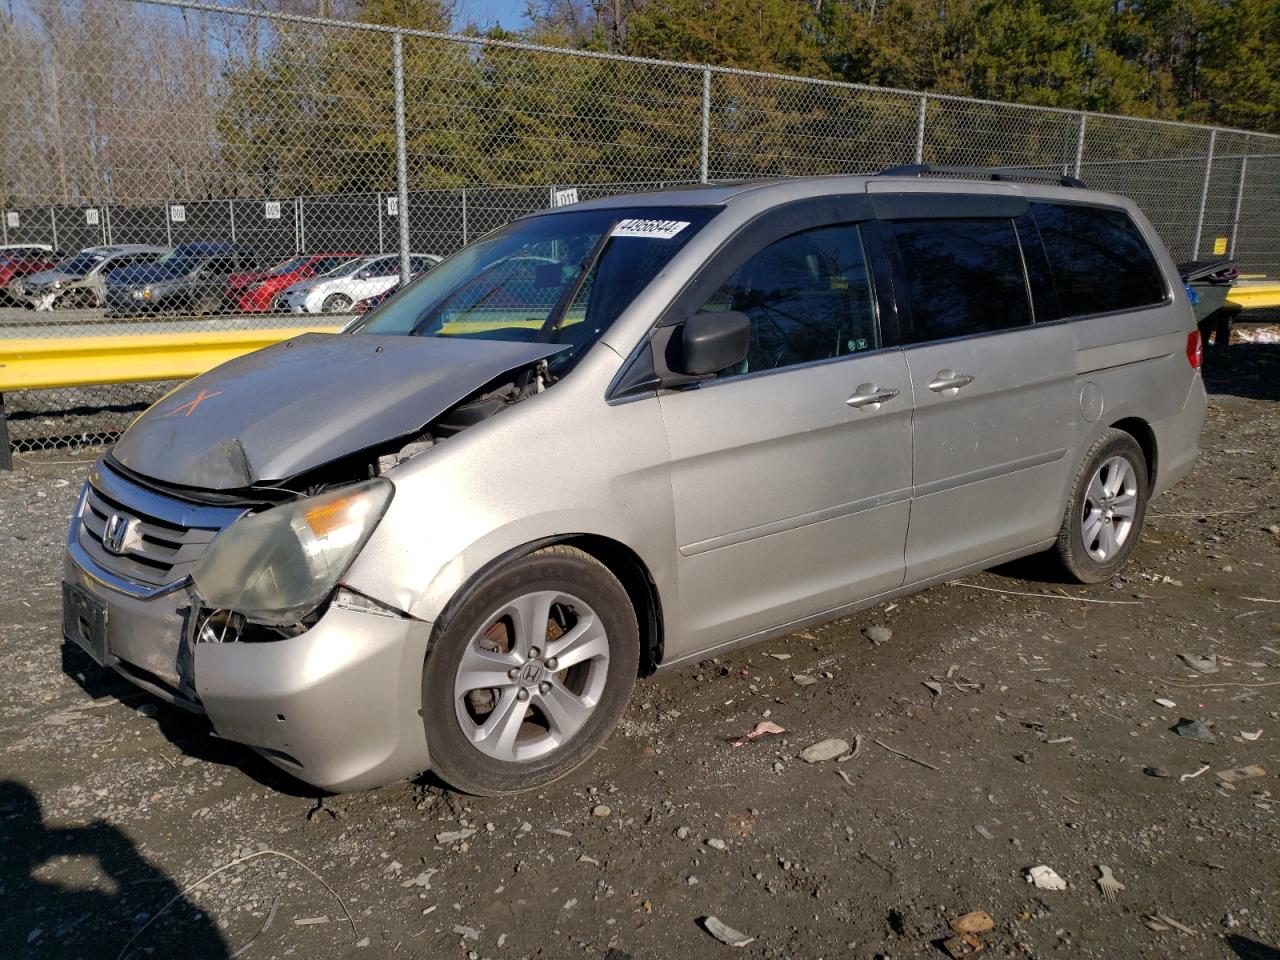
530 674
1107 507
336 303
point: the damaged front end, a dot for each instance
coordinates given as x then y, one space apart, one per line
221 525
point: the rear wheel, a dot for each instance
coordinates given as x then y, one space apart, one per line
1107 507
530 673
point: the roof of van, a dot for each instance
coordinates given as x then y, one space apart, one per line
792 188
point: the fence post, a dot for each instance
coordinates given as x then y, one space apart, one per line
464 216
53 222
377 211
1235 217
231 212
924 103
402 166
1079 146
1204 193
302 226
704 151
168 223
6 455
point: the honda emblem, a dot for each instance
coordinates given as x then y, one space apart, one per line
116 533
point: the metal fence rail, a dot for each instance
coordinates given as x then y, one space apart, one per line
170 122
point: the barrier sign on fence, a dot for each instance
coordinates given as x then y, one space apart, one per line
177 213
11 218
91 216
565 197
271 210
393 206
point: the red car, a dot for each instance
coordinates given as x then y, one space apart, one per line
18 262
254 292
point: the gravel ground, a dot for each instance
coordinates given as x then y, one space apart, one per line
1031 725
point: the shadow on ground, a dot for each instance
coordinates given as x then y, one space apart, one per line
68 889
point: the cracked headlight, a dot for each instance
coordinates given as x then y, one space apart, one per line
278 565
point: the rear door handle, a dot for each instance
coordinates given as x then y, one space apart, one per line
949 382
868 396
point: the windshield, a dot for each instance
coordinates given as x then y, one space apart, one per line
346 268
555 278
179 261
289 266
81 263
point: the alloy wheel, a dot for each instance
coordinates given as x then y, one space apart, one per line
532 676
1110 504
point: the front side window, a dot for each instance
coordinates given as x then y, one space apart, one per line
1099 259
962 277
808 297
561 277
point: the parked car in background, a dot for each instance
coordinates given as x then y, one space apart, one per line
368 303
17 263
192 278
38 247
80 281
336 291
255 292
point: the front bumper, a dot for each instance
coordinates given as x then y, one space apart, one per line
336 706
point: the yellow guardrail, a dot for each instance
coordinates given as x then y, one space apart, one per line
38 364
1254 294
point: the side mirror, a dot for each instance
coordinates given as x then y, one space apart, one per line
707 343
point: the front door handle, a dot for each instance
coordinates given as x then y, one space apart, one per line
948 382
869 397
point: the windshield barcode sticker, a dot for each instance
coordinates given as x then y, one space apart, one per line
654 229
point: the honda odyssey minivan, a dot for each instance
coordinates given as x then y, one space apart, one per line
628 434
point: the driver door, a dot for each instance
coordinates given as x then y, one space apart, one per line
791 473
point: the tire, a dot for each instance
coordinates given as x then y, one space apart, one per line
566 713
1106 509
336 303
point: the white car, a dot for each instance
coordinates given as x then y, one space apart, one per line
337 290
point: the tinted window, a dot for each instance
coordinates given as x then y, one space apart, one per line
1099 260
962 277
808 296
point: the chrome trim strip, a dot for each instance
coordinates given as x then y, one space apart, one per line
795 523
986 473
178 513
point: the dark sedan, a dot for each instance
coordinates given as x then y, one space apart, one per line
190 279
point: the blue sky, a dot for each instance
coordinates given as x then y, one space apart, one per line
510 13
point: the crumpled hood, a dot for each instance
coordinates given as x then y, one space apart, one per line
300 404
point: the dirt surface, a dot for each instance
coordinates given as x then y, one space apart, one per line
1041 742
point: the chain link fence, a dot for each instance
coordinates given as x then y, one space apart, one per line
243 168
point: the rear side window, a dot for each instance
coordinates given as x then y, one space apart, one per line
808 297
1099 260
962 277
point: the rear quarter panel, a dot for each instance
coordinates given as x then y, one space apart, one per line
1136 363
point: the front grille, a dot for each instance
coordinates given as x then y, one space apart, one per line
165 537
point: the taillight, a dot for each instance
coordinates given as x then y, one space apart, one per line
1195 349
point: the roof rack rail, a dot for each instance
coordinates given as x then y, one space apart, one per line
982 173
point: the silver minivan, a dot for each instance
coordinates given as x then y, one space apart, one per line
627 434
